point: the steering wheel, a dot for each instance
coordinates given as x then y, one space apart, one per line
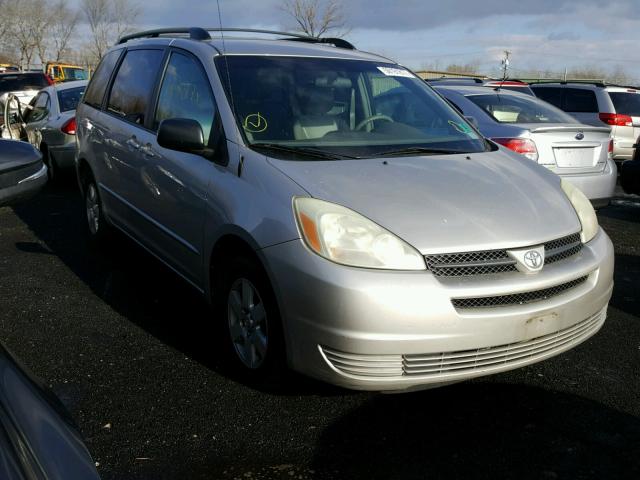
373 118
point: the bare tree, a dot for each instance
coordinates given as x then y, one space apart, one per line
39 21
62 27
315 17
108 20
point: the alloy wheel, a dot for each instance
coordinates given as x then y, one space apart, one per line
247 319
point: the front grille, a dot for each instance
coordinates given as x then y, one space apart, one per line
516 298
463 362
496 261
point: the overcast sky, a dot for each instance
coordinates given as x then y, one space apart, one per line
542 34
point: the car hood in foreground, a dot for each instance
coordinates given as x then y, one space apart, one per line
446 203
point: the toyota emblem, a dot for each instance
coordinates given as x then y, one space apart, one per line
533 259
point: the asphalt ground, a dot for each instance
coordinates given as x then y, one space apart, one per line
133 352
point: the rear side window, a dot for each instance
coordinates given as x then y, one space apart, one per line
100 79
133 85
186 93
517 109
22 81
626 103
580 101
68 99
551 95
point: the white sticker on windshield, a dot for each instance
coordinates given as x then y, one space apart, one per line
395 72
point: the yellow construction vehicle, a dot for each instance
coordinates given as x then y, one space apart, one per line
64 72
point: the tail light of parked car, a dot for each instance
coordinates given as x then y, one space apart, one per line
616 119
523 146
69 127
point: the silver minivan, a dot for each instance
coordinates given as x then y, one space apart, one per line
371 240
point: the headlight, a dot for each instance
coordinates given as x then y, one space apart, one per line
344 236
584 209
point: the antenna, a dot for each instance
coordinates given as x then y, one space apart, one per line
505 67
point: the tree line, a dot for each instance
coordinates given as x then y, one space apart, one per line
33 32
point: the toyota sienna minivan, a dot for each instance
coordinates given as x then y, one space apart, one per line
341 217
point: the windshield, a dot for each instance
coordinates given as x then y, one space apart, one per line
626 103
71 74
21 82
518 109
350 107
69 99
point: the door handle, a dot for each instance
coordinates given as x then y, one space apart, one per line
148 151
133 144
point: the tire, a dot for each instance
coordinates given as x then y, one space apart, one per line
252 324
98 229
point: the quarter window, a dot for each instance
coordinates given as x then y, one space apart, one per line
100 79
186 93
133 84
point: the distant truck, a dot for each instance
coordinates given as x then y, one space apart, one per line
64 72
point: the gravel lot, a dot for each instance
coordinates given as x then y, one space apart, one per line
132 351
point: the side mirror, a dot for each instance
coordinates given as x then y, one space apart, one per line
181 134
472 121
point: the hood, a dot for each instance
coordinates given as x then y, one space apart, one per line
443 204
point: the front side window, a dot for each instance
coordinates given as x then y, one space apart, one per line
71 74
100 79
39 108
580 101
626 103
349 107
185 93
133 85
519 109
68 99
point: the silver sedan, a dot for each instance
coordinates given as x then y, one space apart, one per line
50 124
536 129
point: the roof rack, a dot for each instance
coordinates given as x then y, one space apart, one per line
197 33
597 83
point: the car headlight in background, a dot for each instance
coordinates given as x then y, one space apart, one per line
344 236
584 209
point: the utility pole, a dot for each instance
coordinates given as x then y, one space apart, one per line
505 64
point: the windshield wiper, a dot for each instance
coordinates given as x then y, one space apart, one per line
311 152
416 150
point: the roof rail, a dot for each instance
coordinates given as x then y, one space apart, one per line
196 33
454 79
597 83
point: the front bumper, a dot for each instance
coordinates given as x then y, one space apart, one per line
380 330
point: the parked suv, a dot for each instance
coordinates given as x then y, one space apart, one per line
598 104
373 241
